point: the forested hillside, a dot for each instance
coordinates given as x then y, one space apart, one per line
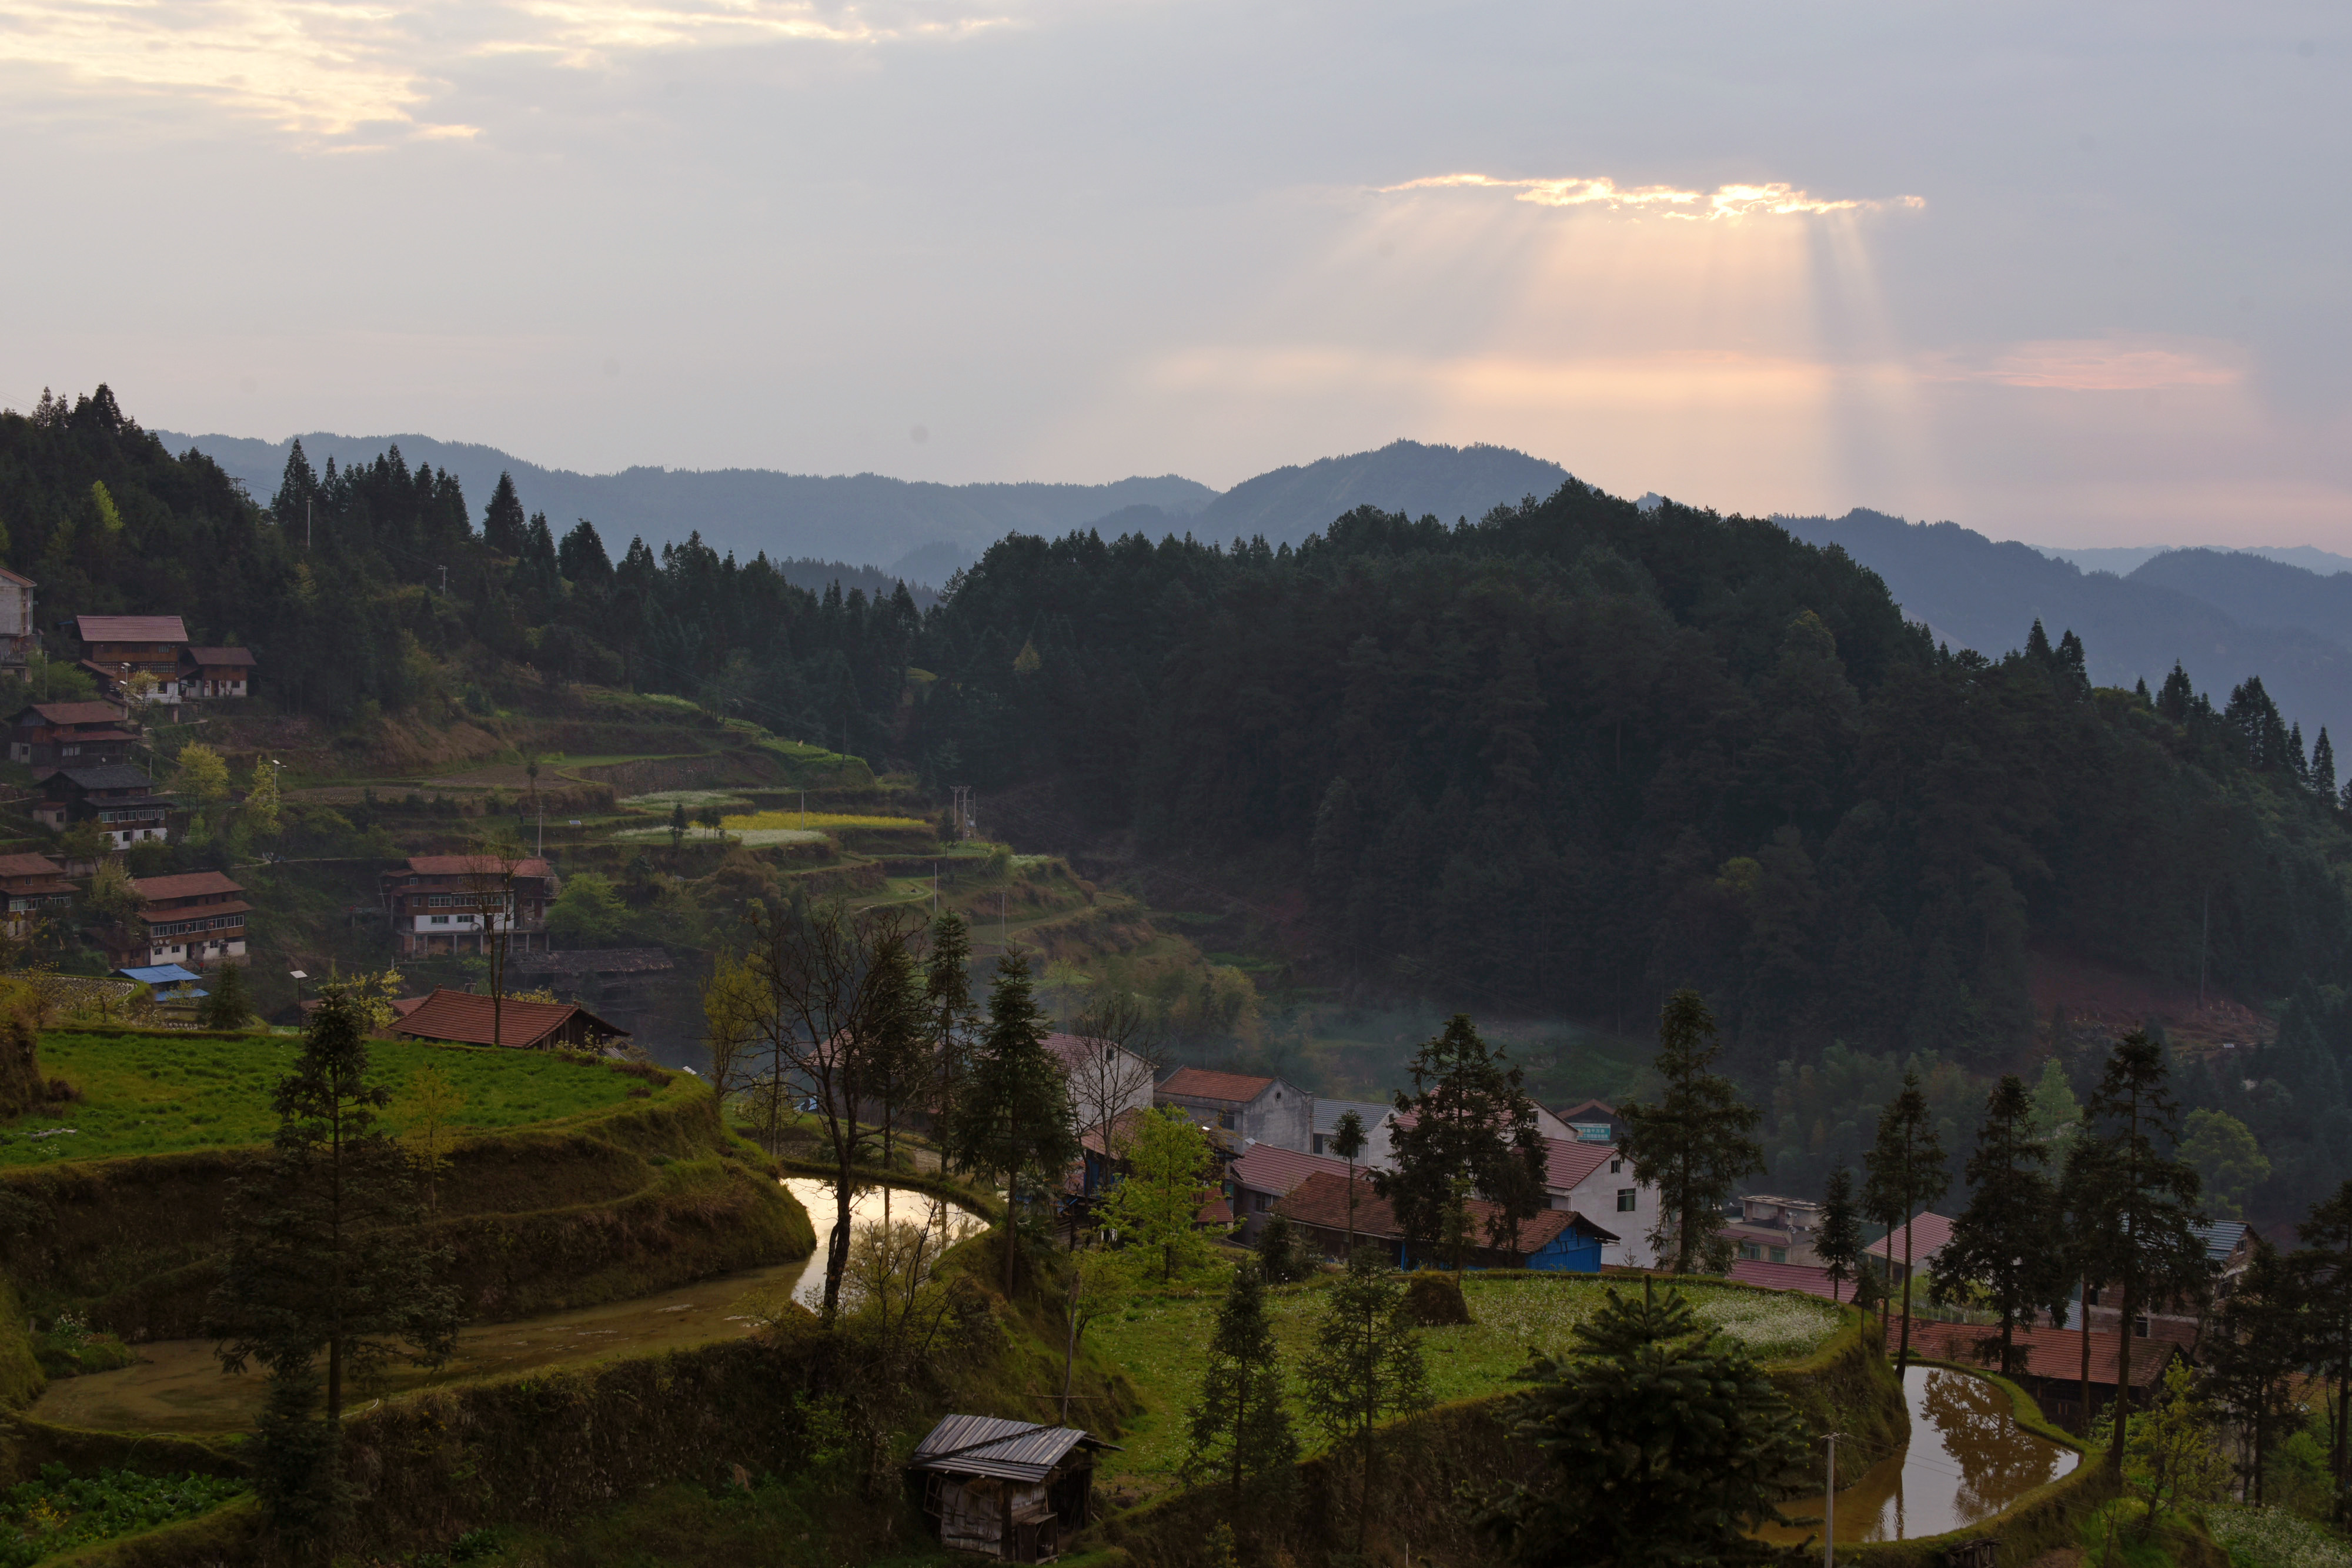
1574 755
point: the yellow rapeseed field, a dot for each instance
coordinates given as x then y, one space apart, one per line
824 822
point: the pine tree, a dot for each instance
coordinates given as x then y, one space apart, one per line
502 519
2324 1265
318 1263
1012 1113
2265 1341
227 1008
1692 1145
2037 645
1906 1168
1240 1428
1661 1445
1468 1119
2323 766
2149 1210
1365 1367
2007 1240
1347 1142
1839 1241
950 1012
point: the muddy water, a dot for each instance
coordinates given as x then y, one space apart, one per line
949 1223
1967 1459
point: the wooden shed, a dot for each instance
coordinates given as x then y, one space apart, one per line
1005 1488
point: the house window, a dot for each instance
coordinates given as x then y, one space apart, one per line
1779 1254
440 920
1225 1120
1261 1201
1616 1167
2139 1328
1749 1251
1625 1200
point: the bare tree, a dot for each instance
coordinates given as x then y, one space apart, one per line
1117 1066
833 991
491 865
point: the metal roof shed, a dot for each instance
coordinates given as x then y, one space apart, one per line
1011 1489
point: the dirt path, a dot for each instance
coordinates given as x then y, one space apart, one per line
178 1386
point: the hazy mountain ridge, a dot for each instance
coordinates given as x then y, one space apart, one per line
1975 593
1418 479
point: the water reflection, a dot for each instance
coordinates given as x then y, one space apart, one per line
948 1223
1967 1459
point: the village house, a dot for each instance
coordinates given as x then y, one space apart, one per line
1250 1108
119 797
32 886
2228 1248
1379 1119
118 649
1928 1235
215 672
622 984
18 631
1593 1122
1598 1178
1009 1490
1551 1238
44 735
465 1018
1265 1174
1777 1230
2053 1362
195 920
454 904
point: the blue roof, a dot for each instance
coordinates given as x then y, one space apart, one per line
2220 1238
159 975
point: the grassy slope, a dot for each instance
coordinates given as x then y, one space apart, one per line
164 1093
1157 1343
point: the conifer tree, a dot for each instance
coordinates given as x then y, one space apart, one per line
1839 1243
2324 1265
1906 1173
2265 1341
1011 1114
1348 1143
1155 1207
2007 1240
1468 1120
1692 1144
1240 1428
950 1012
1365 1367
318 1264
502 519
2323 766
227 1008
2149 1209
1661 1445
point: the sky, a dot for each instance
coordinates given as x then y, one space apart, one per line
2076 275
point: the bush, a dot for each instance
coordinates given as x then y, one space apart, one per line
49 1517
1282 1256
70 1347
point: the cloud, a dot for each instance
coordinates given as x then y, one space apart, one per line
329 67
1670 200
2087 365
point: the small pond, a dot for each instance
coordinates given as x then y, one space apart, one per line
952 1222
1968 1458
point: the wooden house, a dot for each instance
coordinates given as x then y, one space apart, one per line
44 735
215 672
454 904
195 920
2053 1368
1265 1174
118 648
1551 1238
31 885
18 632
1008 1489
119 797
464 1018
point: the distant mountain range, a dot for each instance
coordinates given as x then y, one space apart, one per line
924 532
2222 614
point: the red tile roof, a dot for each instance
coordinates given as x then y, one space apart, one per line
1790 1277
131 628
1122 1128
471 865
187 884
1199 1083
2056 1353
21 581
1215 1211
1566 1163
1578 1112
464 1019
221 655
30 865
1928 1234
1322 1200
1262 1167
76 713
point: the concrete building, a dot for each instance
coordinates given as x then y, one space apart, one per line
1379 1119
1597 1180
1251 1108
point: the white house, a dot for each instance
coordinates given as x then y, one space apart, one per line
1597 1181
1378 1117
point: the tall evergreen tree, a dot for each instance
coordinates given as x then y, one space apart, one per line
1839 1243
2151 1198
502 518
1365 1367
1239 1426
2323 766
1348 1143
228 1007
1693 1142
319 1262
2007 1240
2324 1263
1467 1119
1663 1447
2264 1340
1010 1116
950 1011
1906 1168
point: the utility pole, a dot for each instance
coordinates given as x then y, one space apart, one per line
306 527
1829 1507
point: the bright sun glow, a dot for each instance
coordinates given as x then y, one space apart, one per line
1774 200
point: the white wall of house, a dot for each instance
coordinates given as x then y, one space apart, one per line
1603 1197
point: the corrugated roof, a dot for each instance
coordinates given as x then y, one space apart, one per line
1199 1083
1802 1277
131 628
159 975
991 1445
463 1018
1262 1167
187 884
2221 1238
1928 1234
